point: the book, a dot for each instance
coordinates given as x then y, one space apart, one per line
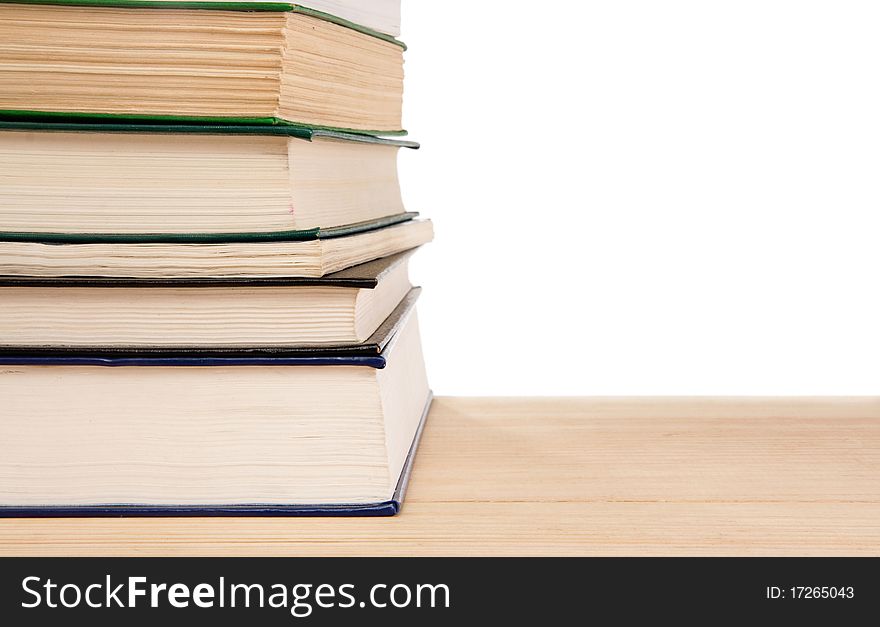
211 436
327 253
352 311
269 63
69 182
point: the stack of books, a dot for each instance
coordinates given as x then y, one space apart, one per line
205 306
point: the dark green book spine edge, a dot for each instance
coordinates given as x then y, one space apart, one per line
13 115
205 238
354 229
285 130
277 7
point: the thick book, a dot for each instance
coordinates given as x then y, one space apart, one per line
350 312
329 252
266 63
239 435
74 182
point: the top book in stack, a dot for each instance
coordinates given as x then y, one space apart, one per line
226 62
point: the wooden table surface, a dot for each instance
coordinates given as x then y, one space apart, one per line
573 477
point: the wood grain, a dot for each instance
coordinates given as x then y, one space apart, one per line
573 477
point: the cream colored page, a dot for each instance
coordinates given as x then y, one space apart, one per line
364 74
80 435
156 62
334 177
143 183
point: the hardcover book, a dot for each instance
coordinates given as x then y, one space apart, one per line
68 182
329 252
353 312
267 63
211 436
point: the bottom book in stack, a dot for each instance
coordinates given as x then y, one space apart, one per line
213 433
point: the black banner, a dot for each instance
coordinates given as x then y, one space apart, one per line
406 591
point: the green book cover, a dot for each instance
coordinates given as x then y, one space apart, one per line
283 127
39 121
206 238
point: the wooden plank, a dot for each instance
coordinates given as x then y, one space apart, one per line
651 450
573 477
481 529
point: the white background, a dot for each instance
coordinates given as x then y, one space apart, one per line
642 197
